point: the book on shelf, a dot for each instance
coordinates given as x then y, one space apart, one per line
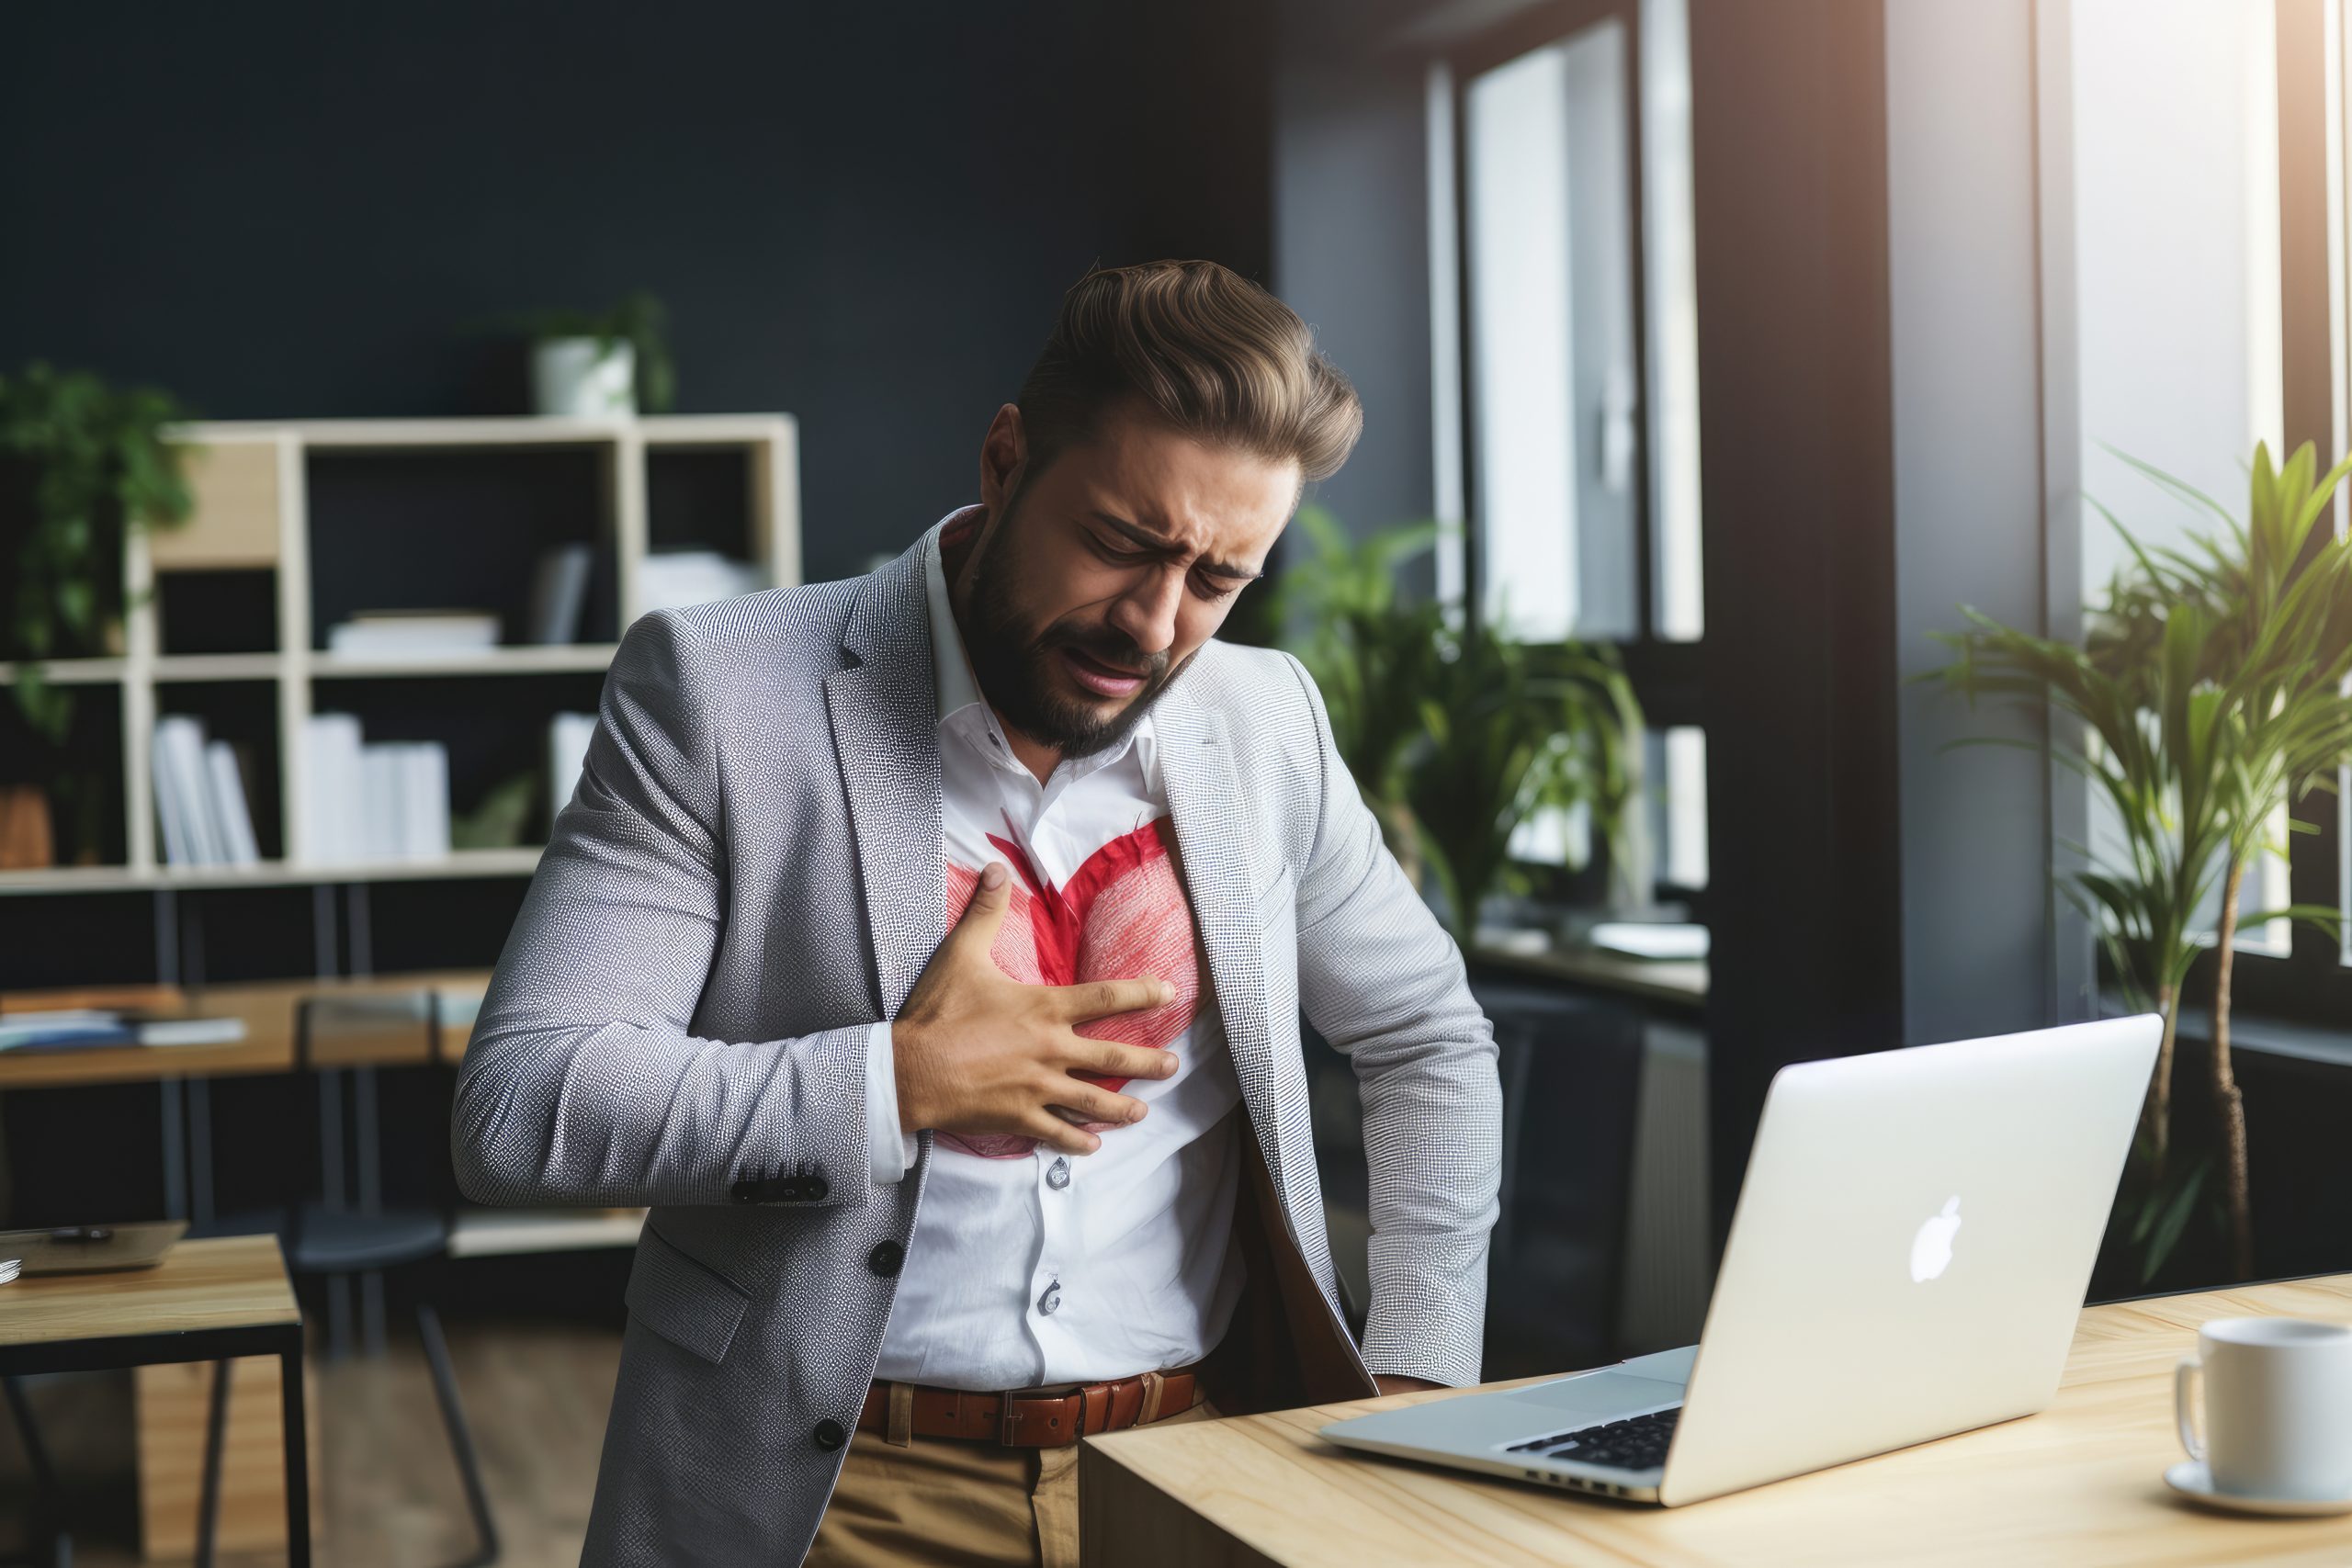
200 798
671 579
414 634
366 801
559 593
232 818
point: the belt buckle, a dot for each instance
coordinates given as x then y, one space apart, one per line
1004 1419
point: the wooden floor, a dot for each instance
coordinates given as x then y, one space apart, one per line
535 1395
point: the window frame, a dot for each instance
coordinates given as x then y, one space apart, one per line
1663 672
2312 982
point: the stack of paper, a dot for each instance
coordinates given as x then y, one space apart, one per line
360 801
1635 939
415 633
200 798
675 578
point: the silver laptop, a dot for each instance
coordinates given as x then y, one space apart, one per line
1908 1261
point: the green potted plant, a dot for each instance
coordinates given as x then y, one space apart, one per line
2209 690
84 464
603 364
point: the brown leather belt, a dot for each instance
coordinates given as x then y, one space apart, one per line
1026 1420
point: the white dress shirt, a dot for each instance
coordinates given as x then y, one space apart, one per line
1030 1267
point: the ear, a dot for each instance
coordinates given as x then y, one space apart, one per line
1004 454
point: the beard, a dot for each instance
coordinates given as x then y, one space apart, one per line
1025 677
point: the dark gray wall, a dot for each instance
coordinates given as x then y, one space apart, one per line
1351 254
861 215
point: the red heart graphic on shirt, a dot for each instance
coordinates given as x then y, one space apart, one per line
1122 915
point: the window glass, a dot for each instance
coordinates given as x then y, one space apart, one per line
2178 291
1675 785
1553 386
1670 261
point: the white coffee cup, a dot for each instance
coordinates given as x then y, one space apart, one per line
2277 1406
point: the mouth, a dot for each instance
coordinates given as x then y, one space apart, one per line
1102 679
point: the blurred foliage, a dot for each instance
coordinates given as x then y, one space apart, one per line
98 465
1454 738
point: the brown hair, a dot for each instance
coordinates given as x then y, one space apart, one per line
1200 348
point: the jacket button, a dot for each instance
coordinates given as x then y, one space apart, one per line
886 1259
828 1435
816 1188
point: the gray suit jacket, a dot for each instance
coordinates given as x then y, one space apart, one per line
750 873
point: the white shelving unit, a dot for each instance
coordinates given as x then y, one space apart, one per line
251 484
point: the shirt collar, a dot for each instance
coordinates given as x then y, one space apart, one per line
951 669
958 690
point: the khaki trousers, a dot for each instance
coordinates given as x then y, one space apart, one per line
944 1500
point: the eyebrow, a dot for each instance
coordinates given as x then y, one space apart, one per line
1151 541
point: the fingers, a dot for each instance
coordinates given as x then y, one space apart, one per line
985 913
1092 1103
1109 1059
1062 1136
1104 998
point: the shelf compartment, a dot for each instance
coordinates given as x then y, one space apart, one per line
492 727
216 611
244 714
392 529
83 777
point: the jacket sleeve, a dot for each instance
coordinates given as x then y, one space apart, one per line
584 1082
1383 982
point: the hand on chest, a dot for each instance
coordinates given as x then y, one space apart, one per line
1121 914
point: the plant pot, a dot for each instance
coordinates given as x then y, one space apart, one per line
584 377
26 841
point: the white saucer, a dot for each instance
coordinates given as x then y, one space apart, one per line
2190 1479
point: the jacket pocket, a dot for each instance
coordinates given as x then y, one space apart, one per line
684 1301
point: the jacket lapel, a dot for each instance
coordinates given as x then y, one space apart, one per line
1220 878
885 719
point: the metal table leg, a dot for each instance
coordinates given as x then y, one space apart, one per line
297 1453
208 1500
48 1520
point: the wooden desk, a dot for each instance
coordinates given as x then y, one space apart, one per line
2082 1484
207 1301
272 1013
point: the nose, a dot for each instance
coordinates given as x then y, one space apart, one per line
1147 611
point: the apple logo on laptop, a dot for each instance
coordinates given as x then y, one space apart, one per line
1931 1248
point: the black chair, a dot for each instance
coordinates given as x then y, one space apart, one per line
1570 1067
340 1239
1571 1071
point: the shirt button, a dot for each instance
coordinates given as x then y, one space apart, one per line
1058 1174
1052 1299
886 1258
828 1435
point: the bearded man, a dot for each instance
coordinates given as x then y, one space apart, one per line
927 949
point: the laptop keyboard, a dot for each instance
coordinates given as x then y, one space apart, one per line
1639 1442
